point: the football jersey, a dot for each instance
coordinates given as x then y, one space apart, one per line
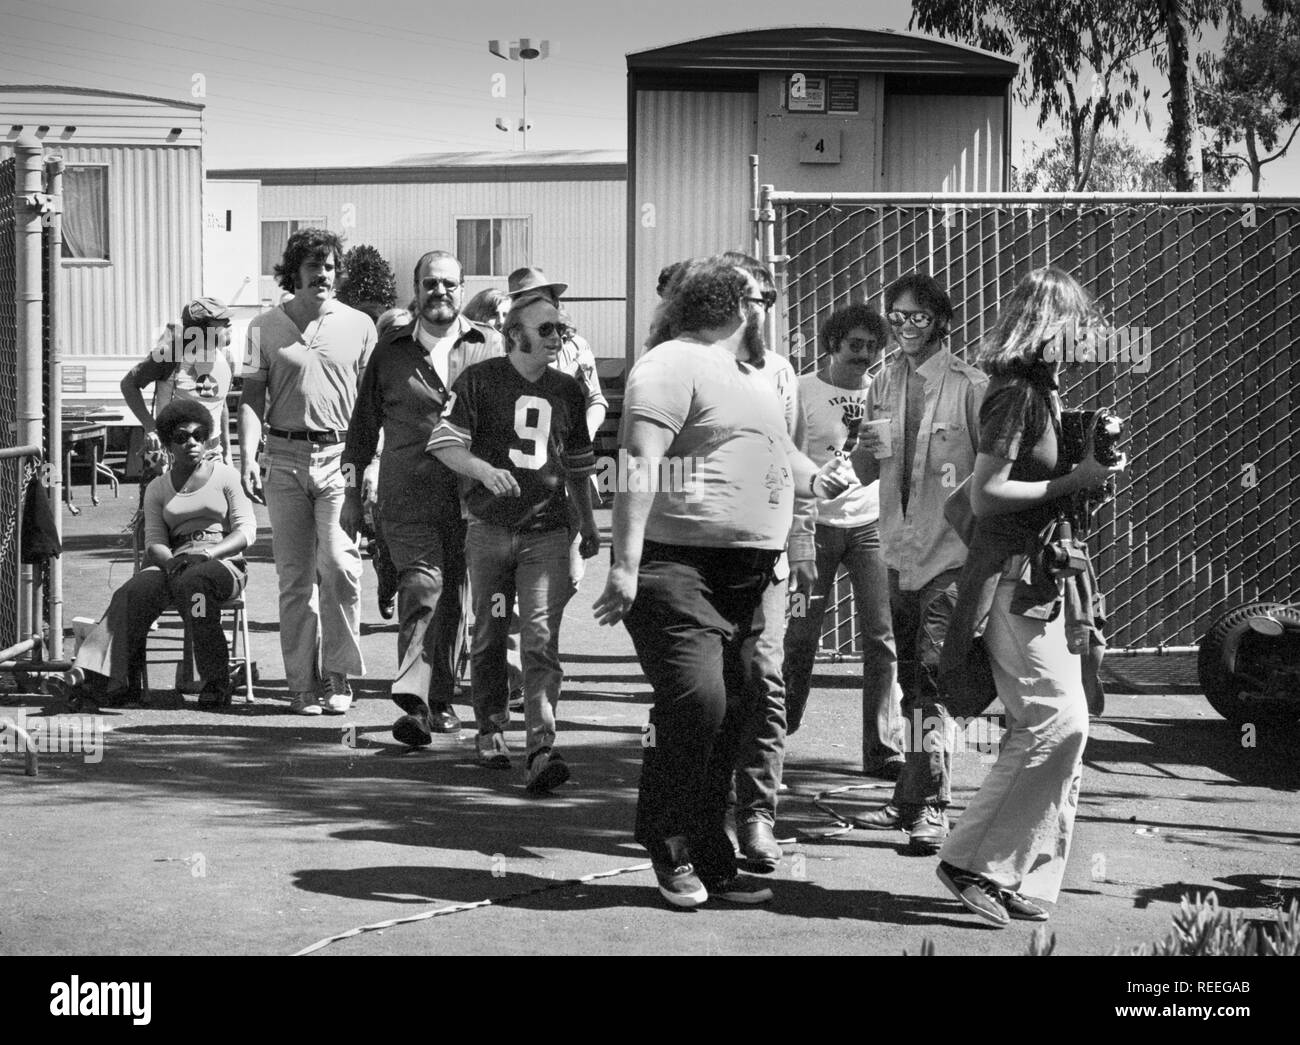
536 430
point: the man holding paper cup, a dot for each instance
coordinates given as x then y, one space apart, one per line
919 438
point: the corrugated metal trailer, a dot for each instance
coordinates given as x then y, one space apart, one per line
132 216
824 110
562 211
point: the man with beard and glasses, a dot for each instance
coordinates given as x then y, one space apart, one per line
301 370
692 560
404 393
931 400
516 429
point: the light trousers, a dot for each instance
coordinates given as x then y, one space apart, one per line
318 565
1017 829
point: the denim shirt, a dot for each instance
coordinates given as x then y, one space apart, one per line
919 543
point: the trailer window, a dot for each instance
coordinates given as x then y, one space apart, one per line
85 213
492 246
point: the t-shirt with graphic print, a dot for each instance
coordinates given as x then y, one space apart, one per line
833 417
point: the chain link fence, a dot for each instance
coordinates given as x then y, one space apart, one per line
10 470
1205 295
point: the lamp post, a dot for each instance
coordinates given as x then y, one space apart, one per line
522 51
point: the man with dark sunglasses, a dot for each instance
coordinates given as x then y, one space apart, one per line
405 392
516 429
931 401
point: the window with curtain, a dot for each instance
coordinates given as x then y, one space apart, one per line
275 234
85 213
492 246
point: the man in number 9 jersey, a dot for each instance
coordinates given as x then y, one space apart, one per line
516 430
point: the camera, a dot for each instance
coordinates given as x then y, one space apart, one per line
1065 556
1105 443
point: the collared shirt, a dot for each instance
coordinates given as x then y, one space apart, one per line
920 544
576 359
311 375
402 394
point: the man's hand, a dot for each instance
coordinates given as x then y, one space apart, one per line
618 596
498 481
350 514
252 479
803 576
589 546
833 478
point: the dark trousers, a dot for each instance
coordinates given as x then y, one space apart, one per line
116 647
921 621
431 595
695 623
857 549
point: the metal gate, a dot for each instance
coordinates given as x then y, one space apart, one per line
1205 294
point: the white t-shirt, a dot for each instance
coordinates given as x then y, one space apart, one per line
831 416
439 349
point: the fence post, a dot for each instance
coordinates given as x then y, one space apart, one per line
54 396
767 226
28 187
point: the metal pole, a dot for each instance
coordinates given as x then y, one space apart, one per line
54 424
767 224
524 63
756 237
28 186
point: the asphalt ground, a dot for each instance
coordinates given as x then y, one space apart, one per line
252 831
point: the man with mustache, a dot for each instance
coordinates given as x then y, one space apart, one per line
853 342
301 370
691 566
404 393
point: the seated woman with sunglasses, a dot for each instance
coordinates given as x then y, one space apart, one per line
198 521
1011 844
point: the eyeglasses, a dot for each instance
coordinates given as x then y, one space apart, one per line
920 320
767 299
180 438
860 344
559 330
434 283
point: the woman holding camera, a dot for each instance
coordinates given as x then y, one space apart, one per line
197 521
1015 834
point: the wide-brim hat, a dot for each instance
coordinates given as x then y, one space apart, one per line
532 280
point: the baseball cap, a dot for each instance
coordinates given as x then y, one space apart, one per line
201 311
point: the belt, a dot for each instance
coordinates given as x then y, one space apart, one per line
759 560
324 438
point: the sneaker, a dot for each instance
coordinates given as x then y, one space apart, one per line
336 697
1022 908
516 701
740 888
927 831
976 893
305 704
546 770
887 819
493 751
680 885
